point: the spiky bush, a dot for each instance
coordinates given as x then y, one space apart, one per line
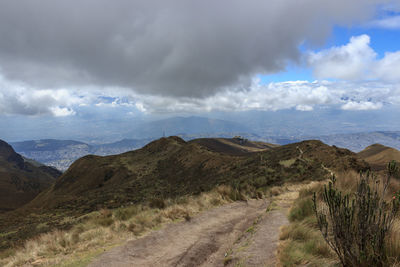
356 225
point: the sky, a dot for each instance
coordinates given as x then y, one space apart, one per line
67 63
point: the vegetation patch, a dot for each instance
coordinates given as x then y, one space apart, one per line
287 163
302 241
107 228
356 226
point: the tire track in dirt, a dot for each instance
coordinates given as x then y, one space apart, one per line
202 241
241 233
258 245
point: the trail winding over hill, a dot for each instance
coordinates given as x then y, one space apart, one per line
209 239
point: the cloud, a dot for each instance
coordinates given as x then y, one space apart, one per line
18 98
62 112
363 105
179 48
392 23
349 62
355 61
299 95
388 68
304 108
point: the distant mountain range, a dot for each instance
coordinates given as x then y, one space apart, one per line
358 141
186 126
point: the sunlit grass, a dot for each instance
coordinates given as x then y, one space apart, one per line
101 230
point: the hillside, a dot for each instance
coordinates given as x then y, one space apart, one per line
378 156
170 168
233 146
20 180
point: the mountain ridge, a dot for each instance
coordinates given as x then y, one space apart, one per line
20 180
378 156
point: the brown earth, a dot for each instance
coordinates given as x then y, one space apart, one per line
237 234
202 241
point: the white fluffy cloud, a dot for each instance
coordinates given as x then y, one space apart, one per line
355 61
388 68
349 62
18 98
300 95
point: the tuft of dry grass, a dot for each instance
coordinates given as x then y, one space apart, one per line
106 228
393 244
275 191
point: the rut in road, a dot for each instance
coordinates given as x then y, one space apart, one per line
212 238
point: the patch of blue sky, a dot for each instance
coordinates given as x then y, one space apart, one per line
382 41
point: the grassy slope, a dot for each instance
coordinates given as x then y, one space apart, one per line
379 155
166 168
21 181
233 146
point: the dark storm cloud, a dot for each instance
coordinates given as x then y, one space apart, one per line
173 48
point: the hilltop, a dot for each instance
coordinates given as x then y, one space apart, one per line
378 156
20 179
233 146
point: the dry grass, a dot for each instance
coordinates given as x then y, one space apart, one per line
107 228
301 242
393 244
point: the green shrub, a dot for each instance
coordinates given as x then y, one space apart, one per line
158 203
124 214
104 221
301 209
236 195
356 225
104 218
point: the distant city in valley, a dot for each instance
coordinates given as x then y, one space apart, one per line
62 153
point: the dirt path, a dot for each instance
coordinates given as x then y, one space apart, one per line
240 232
258 245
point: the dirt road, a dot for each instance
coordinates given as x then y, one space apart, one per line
213 238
